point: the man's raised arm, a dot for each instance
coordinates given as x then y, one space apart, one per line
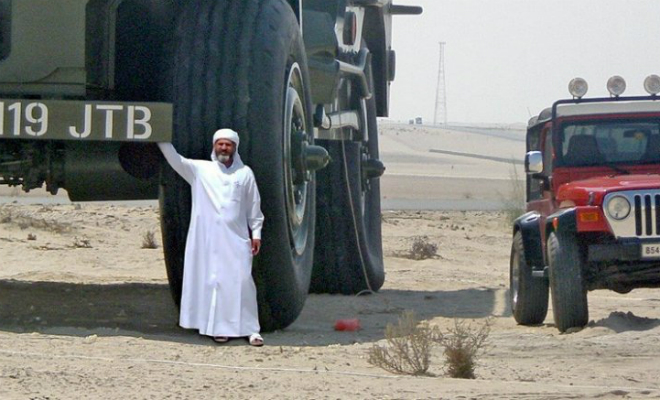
179 163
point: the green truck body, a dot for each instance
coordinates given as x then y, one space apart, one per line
87 87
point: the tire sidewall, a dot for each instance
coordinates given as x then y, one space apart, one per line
531 305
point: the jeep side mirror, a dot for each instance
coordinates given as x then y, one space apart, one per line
534 162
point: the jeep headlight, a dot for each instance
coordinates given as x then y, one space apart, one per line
618 207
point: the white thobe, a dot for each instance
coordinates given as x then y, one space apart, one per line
219 297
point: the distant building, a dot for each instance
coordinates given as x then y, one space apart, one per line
418 120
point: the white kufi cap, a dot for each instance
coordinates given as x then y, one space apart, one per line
226 134
229 134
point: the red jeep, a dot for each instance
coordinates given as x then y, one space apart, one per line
593 204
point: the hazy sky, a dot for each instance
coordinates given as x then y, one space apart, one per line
505 59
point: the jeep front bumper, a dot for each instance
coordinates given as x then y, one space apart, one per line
631 249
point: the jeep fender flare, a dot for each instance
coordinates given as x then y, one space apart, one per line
566 222
529 226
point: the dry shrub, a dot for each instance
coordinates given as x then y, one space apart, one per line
409 345
149 240
5 216
463 344
26 220
52 226
408 349
422 248
81 243
514 202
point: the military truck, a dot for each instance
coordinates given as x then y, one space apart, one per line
87 87
593 202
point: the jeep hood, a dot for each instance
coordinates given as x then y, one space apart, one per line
580 191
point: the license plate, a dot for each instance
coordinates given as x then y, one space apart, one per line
650 250
85 120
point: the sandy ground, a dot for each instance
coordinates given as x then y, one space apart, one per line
85 311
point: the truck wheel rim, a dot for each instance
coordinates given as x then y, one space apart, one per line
295 193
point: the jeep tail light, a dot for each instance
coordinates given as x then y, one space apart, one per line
616 85
652 84
578 87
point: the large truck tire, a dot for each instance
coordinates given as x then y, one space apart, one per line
528 295
241 64
349 252
569 296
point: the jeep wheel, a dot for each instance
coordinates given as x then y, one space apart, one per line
349 253
569 297
528 295
241 64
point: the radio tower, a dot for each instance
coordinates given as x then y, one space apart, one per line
441 92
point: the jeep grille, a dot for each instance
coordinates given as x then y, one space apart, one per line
646 208
644 218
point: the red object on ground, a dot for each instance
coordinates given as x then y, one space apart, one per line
352 324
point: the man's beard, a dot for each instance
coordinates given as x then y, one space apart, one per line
223 158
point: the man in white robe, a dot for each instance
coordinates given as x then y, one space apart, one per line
219 297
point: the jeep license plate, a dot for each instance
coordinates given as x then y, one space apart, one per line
650 250
85 120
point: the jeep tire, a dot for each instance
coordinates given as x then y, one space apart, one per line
528 295
569 297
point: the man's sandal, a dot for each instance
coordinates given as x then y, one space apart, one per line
256 340
220 339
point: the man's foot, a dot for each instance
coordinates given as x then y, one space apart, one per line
256 340
220 339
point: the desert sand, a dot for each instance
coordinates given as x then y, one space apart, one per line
85 311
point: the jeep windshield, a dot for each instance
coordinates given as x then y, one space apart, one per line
609 143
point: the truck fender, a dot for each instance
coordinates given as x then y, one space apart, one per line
529 225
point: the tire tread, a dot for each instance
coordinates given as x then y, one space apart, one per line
569 297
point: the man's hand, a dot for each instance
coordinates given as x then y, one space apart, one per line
256 245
